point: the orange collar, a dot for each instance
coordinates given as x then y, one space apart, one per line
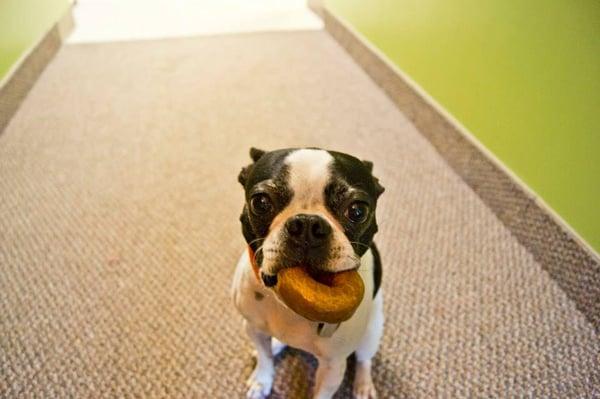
253 263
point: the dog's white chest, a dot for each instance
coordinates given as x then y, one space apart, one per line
260 307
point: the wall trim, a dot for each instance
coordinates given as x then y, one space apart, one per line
568 259
25 72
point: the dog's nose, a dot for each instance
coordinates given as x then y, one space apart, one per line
310 230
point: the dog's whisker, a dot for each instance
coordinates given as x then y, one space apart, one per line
256 240
259 249
359 243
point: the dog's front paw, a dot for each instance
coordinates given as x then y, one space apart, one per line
259 384
364 390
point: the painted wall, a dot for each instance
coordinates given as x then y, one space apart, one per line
22 24
522 76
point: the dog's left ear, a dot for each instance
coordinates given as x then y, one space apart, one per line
255 154
378 187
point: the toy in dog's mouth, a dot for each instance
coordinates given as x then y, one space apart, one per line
323 297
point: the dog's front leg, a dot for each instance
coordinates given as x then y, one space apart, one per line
330 374
261 380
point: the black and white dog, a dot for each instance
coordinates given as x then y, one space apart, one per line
316 208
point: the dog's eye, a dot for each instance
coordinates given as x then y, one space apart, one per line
261 204
357 212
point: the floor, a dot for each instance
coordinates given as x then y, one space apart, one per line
119 232
118 20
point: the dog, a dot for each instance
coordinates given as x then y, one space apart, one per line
316 208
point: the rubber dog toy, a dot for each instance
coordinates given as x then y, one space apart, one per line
330 298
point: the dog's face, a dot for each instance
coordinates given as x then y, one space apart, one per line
308 207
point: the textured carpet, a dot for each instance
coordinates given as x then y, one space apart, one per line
119 232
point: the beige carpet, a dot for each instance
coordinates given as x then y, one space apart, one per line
119 232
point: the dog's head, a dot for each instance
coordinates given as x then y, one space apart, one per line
308 207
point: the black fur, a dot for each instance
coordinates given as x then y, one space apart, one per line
368 165
377 269
256 154
352 181
266 166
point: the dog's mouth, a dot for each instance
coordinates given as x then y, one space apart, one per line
323 277
319 269
310 258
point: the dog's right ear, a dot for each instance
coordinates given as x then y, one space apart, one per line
255 154
243 176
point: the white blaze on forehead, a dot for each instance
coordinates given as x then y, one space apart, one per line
309 172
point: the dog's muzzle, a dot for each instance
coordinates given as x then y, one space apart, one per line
309 231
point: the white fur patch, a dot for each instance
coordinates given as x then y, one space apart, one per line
309 172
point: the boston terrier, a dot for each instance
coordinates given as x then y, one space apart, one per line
316 208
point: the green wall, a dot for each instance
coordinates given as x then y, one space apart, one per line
22 24
522 76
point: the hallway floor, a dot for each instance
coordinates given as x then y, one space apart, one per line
119 232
